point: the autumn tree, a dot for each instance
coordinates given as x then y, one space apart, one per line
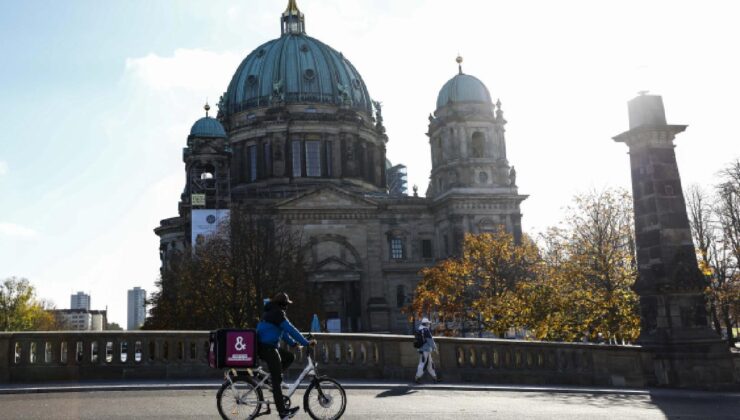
21 310
478 290
222 282
590 270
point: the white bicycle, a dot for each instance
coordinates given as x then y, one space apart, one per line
241 395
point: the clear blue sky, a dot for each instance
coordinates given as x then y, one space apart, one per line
98 98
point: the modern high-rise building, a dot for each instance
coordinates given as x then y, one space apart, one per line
136 308
81 319
80 301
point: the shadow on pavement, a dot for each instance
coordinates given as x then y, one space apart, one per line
398 391
673 405
699 405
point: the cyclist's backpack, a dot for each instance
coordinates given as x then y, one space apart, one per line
418 339
232 348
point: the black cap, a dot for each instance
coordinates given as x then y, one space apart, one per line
281 299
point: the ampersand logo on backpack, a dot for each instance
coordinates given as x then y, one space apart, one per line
240 345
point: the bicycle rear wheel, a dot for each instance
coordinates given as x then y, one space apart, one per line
242 400
325 399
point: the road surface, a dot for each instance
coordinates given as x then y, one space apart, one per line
396 403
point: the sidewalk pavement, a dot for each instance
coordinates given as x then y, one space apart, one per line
211 384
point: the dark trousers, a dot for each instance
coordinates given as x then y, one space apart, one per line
277 360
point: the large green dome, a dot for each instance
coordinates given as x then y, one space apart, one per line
463 88
295 68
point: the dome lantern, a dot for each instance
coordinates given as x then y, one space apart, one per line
292 21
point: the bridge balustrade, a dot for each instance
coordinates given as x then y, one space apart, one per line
103 355
122 355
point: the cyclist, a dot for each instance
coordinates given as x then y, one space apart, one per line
273 327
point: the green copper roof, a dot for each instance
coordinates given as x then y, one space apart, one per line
208 127
295 68
463 88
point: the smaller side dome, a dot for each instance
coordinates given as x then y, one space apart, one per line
208 127
463 88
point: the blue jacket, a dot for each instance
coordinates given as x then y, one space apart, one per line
275 326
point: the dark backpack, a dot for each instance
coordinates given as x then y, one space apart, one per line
418 339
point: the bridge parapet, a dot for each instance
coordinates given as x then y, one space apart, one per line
482 360
123 355
103 355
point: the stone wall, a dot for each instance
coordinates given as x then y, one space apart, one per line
117 355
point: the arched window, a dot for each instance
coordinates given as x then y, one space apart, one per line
478 145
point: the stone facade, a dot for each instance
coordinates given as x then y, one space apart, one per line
298 138
363 245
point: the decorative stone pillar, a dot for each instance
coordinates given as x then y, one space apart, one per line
686 352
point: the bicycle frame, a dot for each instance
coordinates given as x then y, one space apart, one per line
310 369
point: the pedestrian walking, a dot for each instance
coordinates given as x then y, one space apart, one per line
425 344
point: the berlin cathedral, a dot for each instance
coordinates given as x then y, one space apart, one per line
298 136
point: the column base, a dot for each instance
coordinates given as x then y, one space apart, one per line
700 365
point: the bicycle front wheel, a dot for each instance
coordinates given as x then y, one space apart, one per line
241 399
325 399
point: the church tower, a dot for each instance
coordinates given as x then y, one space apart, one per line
471 182
207 160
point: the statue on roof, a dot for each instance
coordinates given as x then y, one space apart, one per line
277 90
379 116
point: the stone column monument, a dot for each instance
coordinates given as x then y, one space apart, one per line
683 350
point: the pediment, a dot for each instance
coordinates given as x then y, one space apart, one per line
327 198
333 264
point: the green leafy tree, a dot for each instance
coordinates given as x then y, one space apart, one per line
21 310
112 326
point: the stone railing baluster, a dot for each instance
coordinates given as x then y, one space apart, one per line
122 355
